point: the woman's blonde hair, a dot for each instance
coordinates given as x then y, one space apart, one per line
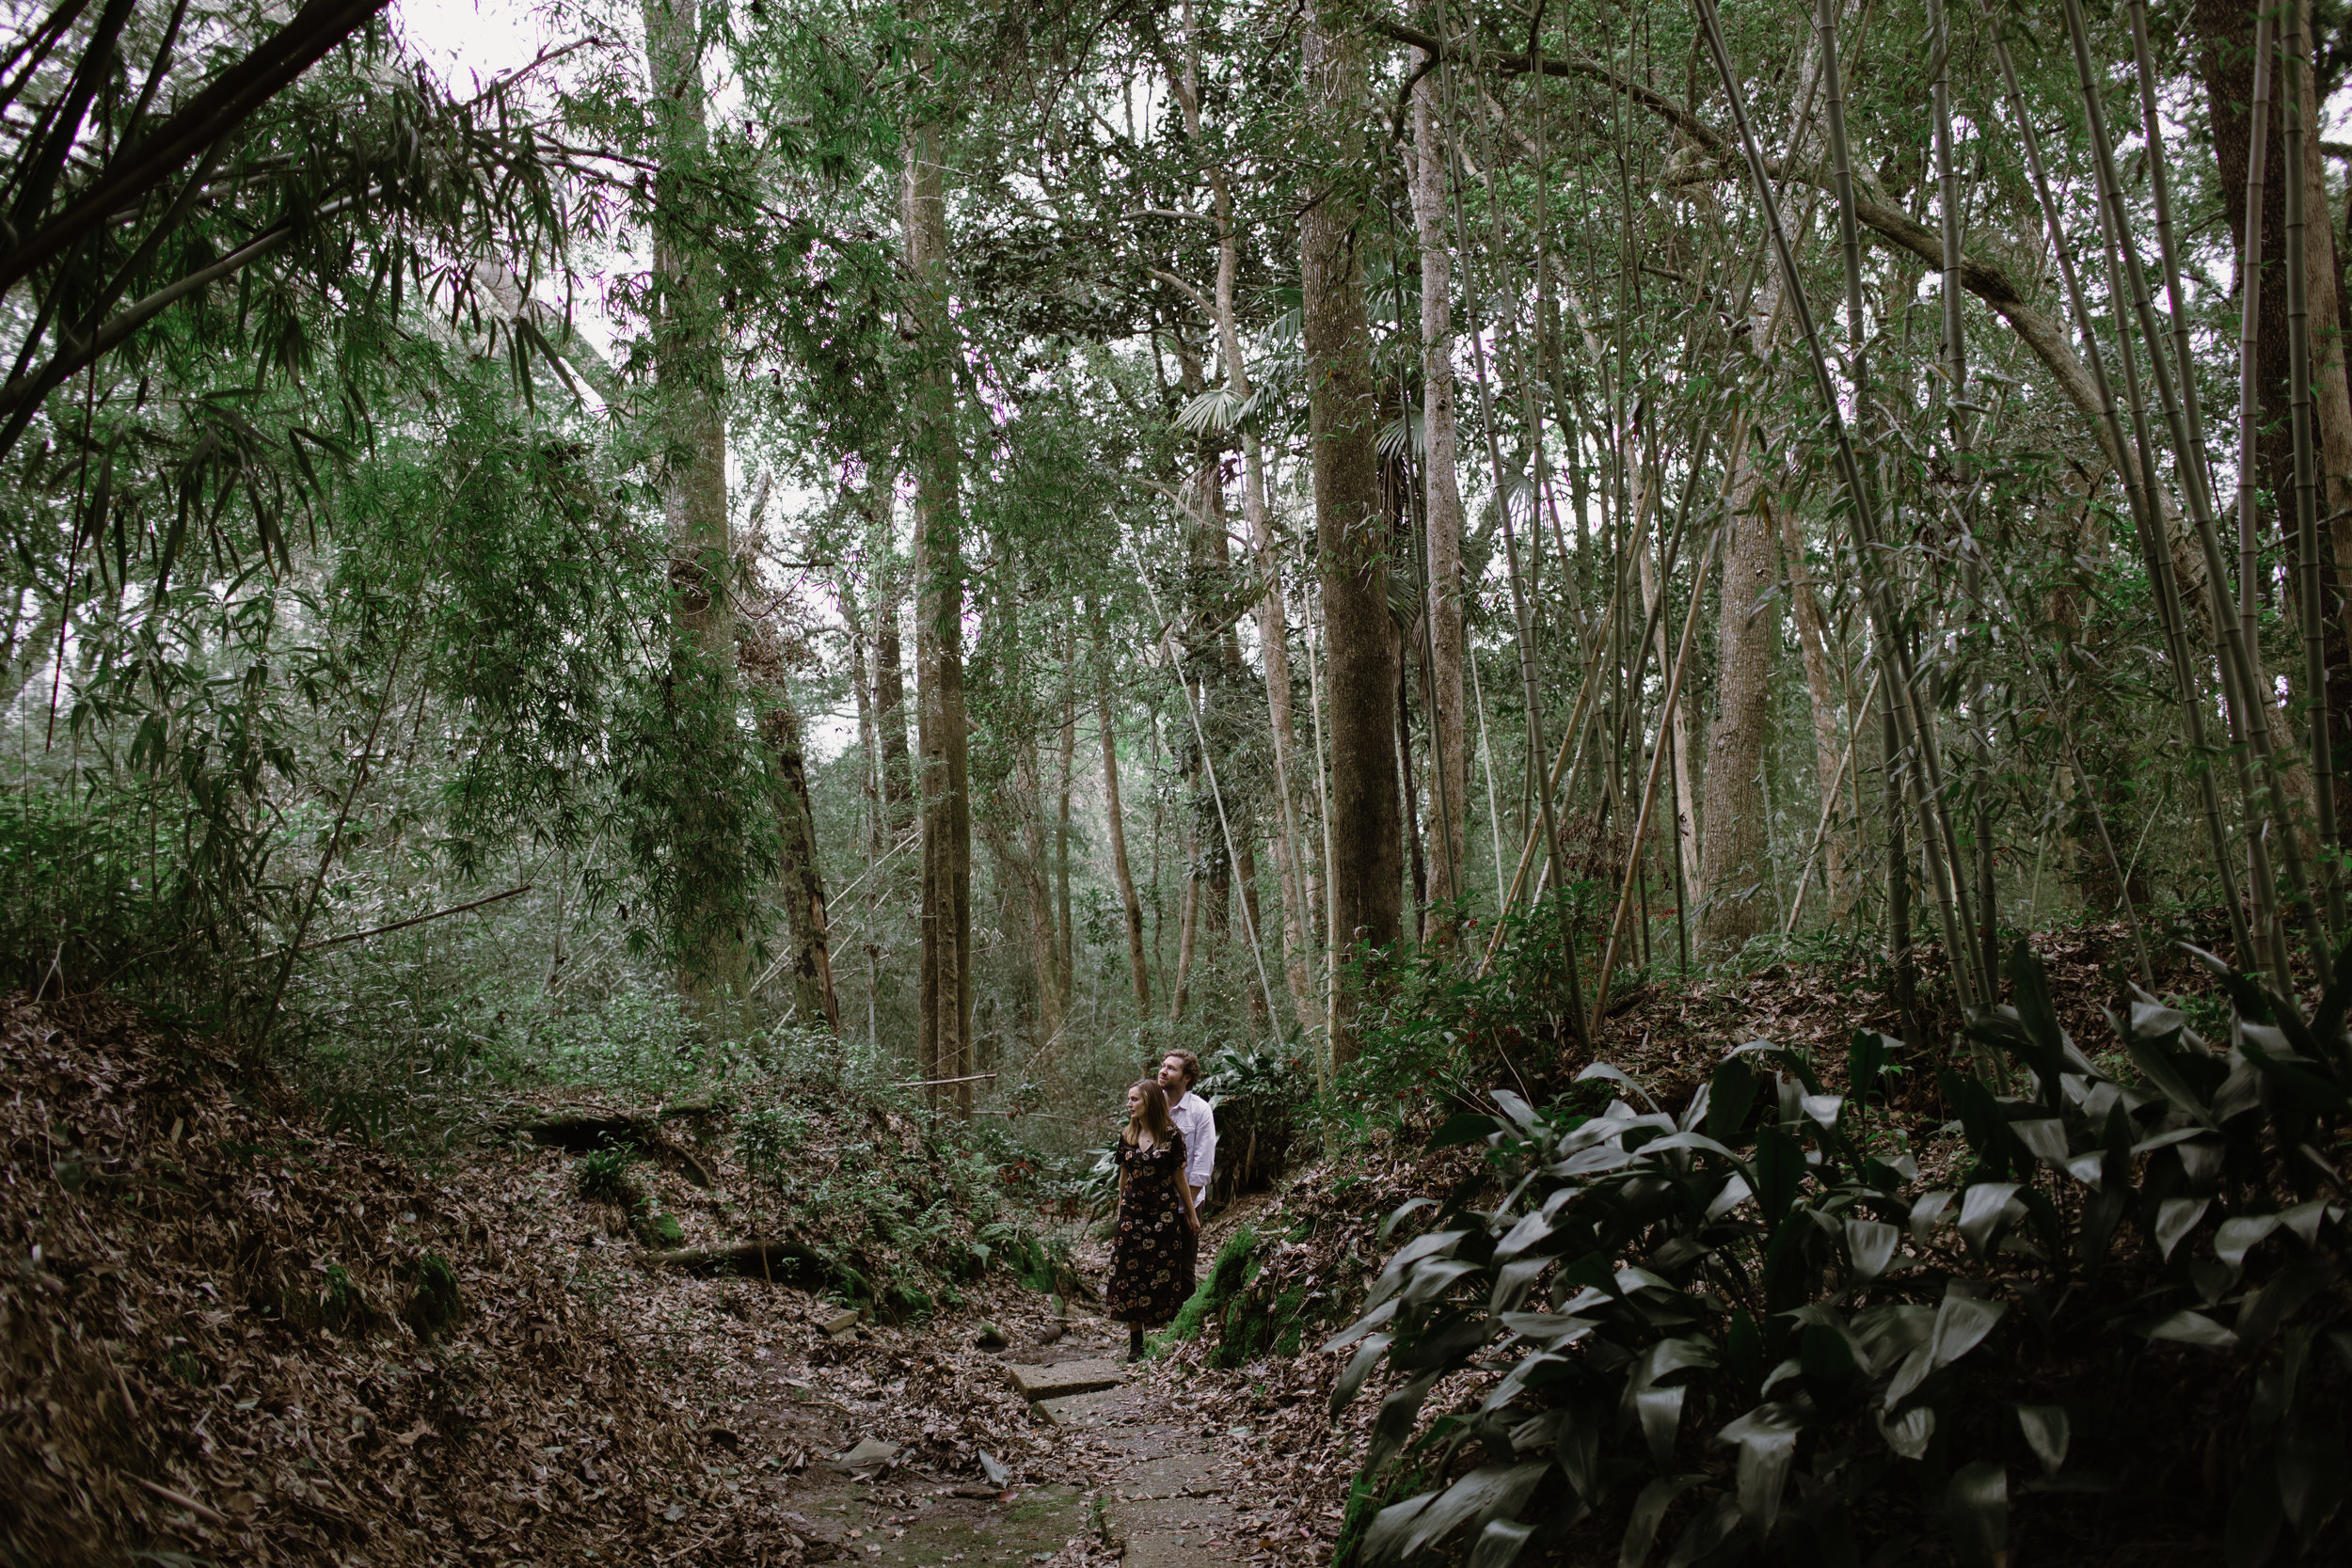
1154 1114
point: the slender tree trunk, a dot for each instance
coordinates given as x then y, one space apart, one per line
1211 662
1188 925
868 758
1133 906
1365 877
1828 740
1034 866
1449 757
797 871
1738 903
1274 644
1245 876
890 718
1406 792
690 393
1065 968
1686 826
945 1027
897 773
2224 33
2331 411
1272 630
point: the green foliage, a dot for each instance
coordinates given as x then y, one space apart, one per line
340 1303
903 1213
1264 1081
1760 1272
1257 1092
434 1303
87 890
1237 1264
608 1175
766 1139
1440 1031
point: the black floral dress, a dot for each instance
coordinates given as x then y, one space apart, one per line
1154 1253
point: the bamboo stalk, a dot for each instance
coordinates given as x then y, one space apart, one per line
1649 783
1912 733
2249 720
1935 820
1829 809
1249 925
2298 418
1957 408
2147 519
1522 620
2259 709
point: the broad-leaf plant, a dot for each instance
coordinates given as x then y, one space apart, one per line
1752 1330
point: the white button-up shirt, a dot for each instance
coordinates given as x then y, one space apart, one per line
1198 1123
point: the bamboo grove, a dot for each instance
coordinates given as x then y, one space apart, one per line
1025 535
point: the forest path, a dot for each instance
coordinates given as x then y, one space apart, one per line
1139 1482
1163 1500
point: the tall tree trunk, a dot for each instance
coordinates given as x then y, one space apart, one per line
1188 925
1685 799
944 1032
861 683
1273 630
1736 872
2224 32
1246 874
802 878
890 707
1065 968
1207 587
1120 872
1035 867
2331 411
1829 747
1442 521
1366 890
1274 645
691 417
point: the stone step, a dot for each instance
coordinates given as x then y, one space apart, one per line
1181 1475
1173 1533
1084 1410
1068 1377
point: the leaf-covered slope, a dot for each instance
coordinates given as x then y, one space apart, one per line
231 1334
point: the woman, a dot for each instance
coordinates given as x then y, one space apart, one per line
1153 1251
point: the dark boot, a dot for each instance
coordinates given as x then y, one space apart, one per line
1135 1342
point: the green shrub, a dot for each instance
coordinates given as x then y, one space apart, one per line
608 1175
435 1303
2127 1277
1257 1093
766 1140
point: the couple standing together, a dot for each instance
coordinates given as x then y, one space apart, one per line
1165 1157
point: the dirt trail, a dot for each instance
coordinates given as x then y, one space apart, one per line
1144 1475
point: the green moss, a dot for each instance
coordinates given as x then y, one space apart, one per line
1227 1277
1289 1324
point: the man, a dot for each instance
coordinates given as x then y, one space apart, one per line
1178 1072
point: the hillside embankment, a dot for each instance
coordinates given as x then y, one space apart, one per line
230 1335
